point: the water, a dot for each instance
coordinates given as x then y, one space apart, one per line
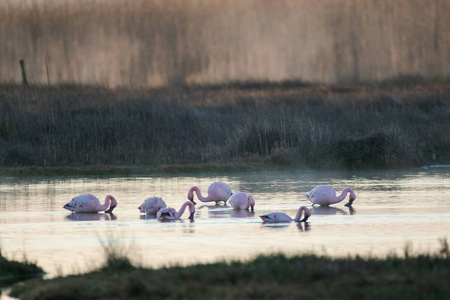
392 209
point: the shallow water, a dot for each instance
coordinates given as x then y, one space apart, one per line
392 209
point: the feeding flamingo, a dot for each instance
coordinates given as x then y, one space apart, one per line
282 217
217 191
279 217
239 200
88 203
325 195
169 213
152 205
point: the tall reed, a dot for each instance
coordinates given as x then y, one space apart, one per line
152 43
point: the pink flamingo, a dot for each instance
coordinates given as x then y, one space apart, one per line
152 205
325 195
279 217
239 200
169 213
88 203
217 191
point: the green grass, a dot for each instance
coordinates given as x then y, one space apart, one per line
12 271
92 130
277 276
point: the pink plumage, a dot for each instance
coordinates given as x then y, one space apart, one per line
217 191
240 200
279 217
169 213
88 203
152 205
325 195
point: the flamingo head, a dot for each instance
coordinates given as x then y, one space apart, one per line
351 199
251 202
307 214
190 195
167 213
112 205
265 218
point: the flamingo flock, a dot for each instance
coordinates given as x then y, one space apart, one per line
322 195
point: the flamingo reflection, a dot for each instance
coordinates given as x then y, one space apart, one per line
91 217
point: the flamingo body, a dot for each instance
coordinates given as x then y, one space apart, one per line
152 205
217 191
279 217
88 203
242 201
169 213
325 195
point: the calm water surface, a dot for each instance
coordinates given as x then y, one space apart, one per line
392 209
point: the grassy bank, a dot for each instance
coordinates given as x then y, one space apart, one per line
96 130
414 276
12 271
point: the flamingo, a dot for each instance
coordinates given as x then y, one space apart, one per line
325 195
169 213
279 217
217 191
152 205
239 200
88 203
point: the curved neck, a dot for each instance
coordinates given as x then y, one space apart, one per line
106 204
183 208
301 210
199 194
250 202
342 195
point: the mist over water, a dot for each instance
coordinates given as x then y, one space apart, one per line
392 209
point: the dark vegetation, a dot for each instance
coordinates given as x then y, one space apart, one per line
277 276
12 271
299 126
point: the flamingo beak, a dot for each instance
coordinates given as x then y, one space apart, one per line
304 219
191 217
109 211
349 203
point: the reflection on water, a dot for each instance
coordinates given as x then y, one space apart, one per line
91 217
391 209
332 210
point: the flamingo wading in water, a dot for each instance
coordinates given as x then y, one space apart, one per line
217 191
88 203
169 213
240 200
279 217
325 195
152 205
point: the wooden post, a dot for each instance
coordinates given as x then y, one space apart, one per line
24 74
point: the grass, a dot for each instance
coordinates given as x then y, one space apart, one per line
92 130
12 271
276 276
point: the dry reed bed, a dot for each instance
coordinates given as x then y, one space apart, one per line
149 43
299 126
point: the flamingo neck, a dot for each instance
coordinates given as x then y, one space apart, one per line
183 208
199 194
250 202
105 206
342 195
299 213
